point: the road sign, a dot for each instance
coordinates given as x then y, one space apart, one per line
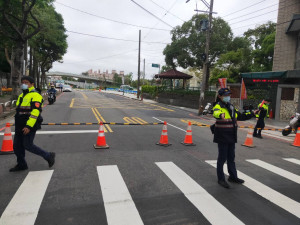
155 65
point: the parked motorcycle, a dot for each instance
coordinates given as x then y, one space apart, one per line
51 98
293 125
208 109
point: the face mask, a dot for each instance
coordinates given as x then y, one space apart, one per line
226 99
24 86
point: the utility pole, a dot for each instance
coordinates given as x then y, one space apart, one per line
144 72
205 65
139 66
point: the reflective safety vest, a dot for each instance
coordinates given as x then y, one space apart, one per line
264 107
226 129
29 107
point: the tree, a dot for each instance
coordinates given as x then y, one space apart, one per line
128 78
188 43
50 44
234 62
262 39
19 24
165 68
117 79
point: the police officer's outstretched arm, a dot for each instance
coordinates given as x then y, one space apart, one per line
36 106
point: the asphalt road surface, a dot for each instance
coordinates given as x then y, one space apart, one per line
136 181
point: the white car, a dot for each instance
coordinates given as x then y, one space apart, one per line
67 88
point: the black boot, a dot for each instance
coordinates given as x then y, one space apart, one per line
51 159
223 183
18 168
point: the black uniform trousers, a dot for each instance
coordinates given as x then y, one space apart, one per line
226 153
260 124
22 142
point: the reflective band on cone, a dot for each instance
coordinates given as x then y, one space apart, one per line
188 140
297 138
101 142
7 143
164 136
249 139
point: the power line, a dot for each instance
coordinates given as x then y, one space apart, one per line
161 18
151 13
166 10
111 20
253 12
244 8
252 24
253 17
123 53
110 38
266 13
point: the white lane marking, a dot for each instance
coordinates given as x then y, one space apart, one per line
62 132
214 211
296 161
24 206
169 124
273 196
278 135
275 169
119 206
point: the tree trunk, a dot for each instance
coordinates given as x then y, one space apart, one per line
30 61
25 58
16 68
35 67
38 76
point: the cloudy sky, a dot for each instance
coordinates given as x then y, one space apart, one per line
103 34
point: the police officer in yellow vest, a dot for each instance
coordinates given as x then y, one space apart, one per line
27 121
225 134
263 108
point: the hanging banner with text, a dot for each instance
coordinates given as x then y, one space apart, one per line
223 82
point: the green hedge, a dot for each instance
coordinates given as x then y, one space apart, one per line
152 90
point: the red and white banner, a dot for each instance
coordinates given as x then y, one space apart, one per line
243 91
223 82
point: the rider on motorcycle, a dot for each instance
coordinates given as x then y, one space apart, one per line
52 90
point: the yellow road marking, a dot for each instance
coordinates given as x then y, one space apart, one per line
84 95
170 110
139 120
134 120
129 120
103 120
72 103
98 118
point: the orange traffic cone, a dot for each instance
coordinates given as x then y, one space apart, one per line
249 139
271 114
101 142
188 140
297 138
164 136
7 143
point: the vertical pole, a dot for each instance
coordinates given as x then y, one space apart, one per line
139 66
144 72
205 65
241 101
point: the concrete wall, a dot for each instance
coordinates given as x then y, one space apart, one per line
285 45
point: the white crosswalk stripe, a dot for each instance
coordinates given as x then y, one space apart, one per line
214 211
273 196
119 206
24 207
275 169
296 161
